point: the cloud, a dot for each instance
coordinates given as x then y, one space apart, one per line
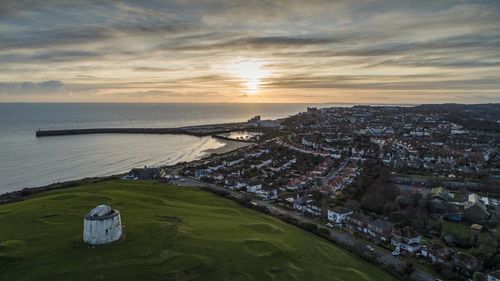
52 38
151 68
263 42
311 49
28 87
164 94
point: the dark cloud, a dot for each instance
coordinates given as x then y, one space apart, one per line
29 87
86 35
52 38
258 42
151 69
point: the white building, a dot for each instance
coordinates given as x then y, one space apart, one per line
262 164
233 162
313 209
267 195
338 215
253 187
406 239
300 204
102 225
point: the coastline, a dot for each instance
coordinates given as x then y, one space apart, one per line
27 192
229 145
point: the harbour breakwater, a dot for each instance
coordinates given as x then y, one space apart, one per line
201 130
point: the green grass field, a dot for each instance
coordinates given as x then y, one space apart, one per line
171 234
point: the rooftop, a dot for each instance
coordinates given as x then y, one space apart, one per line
101 212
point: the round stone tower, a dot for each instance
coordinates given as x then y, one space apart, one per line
102 225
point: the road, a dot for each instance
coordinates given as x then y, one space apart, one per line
336 171
344 238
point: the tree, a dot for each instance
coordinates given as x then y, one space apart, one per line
408 268
478 276
373 202
418 223
398 217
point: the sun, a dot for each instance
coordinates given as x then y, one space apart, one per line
251 73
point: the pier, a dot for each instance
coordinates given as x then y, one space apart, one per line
201 130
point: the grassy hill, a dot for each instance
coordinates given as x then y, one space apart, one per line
171 234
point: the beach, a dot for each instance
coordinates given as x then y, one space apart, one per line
228 146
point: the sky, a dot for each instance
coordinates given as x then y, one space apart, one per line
283 51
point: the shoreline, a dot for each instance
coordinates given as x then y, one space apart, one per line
229 145
27 192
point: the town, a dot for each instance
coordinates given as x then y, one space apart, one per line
422 183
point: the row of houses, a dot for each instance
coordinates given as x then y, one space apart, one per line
461 261
475 209
341 178
319 172
404 239
252 186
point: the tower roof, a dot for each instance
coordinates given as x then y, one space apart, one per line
101 212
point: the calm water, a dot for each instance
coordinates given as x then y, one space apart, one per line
27 161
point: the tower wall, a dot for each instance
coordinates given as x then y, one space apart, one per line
102 231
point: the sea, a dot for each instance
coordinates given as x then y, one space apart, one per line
28 161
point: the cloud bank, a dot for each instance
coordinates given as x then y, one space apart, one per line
312 51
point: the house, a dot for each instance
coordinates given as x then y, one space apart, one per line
218 176
441 194
454 211
268 194
202 173
439 197
240 185
268 124
295 184
144 173
465 263
437 253
338 215
300 204
253 186
475 210
407 239
231 182
379 229
313 140
357 222
437 206
254 121
493 276
232 162
262 164
313 208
